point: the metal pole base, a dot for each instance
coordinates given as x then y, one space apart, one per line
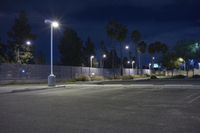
51 80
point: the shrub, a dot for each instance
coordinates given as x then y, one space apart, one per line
147 75
140 76
153 77
97 78
126 77
83 78
179 77
117 77
196 76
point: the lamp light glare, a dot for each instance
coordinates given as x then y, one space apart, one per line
126 47
104 55
91 57
55 24
28 43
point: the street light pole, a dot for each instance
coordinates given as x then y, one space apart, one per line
18 55
152 65
52 52
128 62
103 57
52 77
91 57
132 64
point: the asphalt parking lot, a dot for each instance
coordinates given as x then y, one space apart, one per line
104 108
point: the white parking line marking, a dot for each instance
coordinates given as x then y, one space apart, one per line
194 99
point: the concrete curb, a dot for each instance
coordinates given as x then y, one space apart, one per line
31 89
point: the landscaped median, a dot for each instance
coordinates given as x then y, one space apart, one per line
101 78
83 78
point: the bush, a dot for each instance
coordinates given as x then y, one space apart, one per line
153 77
196 76
117 77
147 75
83 78
126 77
97 78
179 77
140 76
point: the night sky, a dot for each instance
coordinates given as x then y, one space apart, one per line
157 20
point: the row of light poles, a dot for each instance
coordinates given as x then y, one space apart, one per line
91 59
132 63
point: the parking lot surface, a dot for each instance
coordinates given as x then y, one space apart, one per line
103 108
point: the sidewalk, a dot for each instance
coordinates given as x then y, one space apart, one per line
25 87
14 88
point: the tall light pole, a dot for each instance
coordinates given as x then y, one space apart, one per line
103 58
128 62
91 58
182 60
52 77
132 63
152 64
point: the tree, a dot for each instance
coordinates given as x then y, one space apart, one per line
125 62
141 50
164 48
103 47
19 34
103 50
71 48
40 58
157 47
170 61
88 50
111 32
187 49
111 29
120 37
118 32
108 62
2 52
136 38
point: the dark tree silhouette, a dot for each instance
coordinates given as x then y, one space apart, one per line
71 48
88 50
17 37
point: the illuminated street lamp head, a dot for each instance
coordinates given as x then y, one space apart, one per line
55 24
104 55
197 45
92 56
128 62
181 59
28 43
126 47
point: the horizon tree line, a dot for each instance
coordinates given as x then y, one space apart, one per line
75 52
